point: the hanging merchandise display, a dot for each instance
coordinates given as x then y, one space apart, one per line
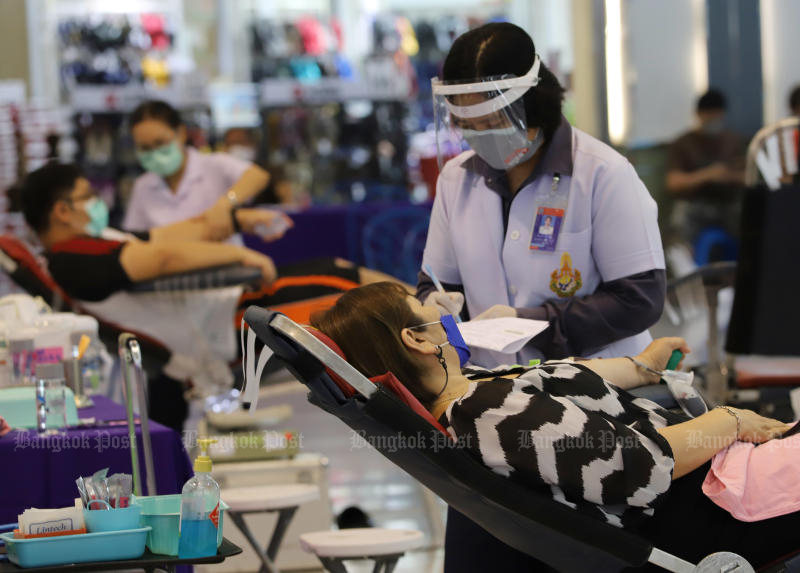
114 49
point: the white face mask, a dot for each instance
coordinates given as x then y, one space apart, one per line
243 152
503 148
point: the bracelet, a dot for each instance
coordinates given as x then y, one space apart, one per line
644 367
730 411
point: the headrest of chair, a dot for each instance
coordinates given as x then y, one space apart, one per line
348 390
387 380
22 255
391 382
15 249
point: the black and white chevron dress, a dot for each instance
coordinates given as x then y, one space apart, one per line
561 427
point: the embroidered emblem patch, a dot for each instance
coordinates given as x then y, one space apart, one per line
565 281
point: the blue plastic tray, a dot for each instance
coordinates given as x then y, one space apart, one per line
83 548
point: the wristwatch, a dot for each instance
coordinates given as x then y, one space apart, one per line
231 195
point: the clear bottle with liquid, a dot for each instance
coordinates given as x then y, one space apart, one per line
51 404
199 509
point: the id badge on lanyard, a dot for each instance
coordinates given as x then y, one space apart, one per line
549 217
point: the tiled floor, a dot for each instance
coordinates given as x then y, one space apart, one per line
360 476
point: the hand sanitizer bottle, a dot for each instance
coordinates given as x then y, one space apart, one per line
199 509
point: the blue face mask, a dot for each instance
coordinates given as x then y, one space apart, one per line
454 337
98 216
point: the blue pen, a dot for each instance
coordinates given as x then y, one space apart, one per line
429 271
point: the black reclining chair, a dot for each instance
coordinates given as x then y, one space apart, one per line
382 411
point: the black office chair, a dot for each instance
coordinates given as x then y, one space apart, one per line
383 410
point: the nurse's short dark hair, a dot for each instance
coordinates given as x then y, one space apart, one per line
498 49
41 189
158 110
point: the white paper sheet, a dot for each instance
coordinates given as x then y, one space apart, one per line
507 335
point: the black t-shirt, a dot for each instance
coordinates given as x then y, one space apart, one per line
88 268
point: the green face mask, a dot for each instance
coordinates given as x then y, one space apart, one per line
164 161
98 216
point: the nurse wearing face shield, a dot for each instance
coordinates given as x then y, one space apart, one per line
536 219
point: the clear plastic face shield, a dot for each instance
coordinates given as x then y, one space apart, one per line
487 116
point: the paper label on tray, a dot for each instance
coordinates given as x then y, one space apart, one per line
51 526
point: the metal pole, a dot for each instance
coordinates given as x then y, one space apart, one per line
127 376
144 418
717 383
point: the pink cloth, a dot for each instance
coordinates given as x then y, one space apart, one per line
755 483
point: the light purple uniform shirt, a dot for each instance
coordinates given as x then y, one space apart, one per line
207 178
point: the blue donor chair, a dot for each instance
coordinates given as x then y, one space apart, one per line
394 239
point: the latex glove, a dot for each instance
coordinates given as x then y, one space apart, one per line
658 352
268 224
497 311
446 302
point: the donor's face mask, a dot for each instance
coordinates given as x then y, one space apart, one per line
454 337
714 126
98 216
163 161
243 152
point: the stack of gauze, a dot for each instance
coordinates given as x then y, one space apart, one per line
51 522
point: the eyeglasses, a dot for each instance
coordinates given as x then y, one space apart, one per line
424 325
86 197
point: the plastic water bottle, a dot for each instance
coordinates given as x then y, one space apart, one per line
199 509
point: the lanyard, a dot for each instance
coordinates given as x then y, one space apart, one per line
549 216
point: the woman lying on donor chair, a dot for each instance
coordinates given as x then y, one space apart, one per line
569 428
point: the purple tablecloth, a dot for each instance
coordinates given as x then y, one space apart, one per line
41 472
324 231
